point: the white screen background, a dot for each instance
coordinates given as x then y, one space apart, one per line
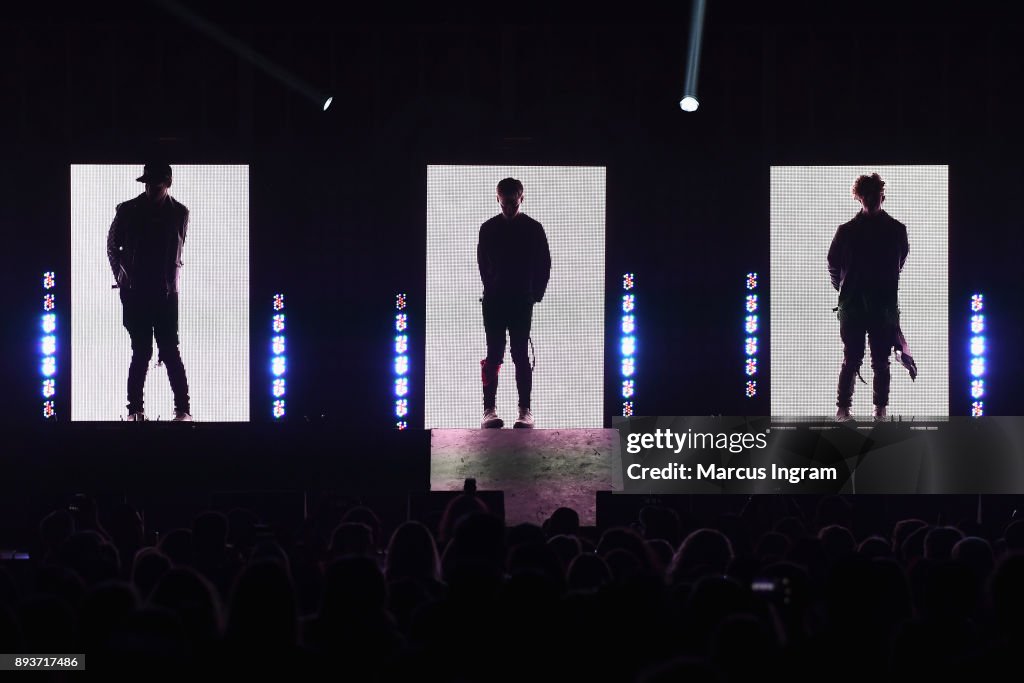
568 325
213 304
808 203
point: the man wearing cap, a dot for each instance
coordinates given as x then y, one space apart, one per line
144 247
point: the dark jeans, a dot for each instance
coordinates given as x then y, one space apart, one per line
880 328
515 316
147 316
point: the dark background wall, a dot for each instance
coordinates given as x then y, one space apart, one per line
338 198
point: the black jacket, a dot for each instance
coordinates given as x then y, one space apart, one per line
130 234
513 258
866 258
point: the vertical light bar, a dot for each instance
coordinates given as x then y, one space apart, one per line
977 364
401 367
627 344
750 341
48 346
278 360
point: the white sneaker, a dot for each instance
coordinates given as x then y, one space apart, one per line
136 417
525 420
844 415
879 414
181 416
491 420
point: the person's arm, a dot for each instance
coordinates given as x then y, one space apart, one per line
483 261
904 246
542 265
115 240
836 254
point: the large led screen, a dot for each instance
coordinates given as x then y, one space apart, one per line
567 326
212 296
808 205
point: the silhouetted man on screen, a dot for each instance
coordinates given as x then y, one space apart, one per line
864 264
144 248
515 264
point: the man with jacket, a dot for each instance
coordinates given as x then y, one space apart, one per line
515 264
864 264
144 248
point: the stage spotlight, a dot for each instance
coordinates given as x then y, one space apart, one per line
277 366
751 346
277 345
751 325
327 102
752 389
750 341
278 387
278 409
401 386
49 323
628 303
401 343
751 303
627 324
751 280
751 368
401 407
689 101
278 323
401 365
977 348
401 362
49 368
49 388
977 367
977 409
627 409
627 343
628 367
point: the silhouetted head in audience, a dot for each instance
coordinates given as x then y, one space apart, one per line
263 614
412 554
588 573
351 538
90 555
1013 537
194 599
566 548
837 541
364 515
902 530
662 551
537 558
149 565
563 521
476 553
939 542
977 554
628 540
660 522
912 548
704 551
458 507
874 546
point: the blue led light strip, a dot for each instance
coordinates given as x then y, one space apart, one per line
750 340
977 366
278 360
627 344
401 365
48 346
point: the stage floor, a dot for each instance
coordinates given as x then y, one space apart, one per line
538 469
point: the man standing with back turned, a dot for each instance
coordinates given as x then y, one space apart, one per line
515 265
144 247
864 263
